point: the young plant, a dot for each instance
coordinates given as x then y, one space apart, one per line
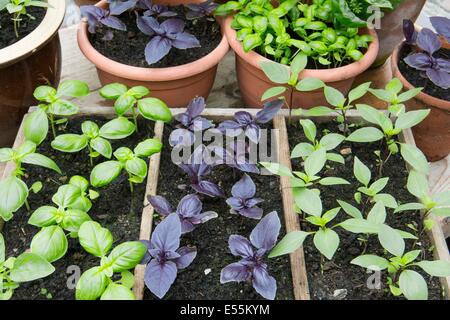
165 257
133 99
92 137
99 19
201 10
252 267
328 142
52 104
130 160
18 9
84 196
237 155
242 201
165 36
154 9
189 210
15 271
100 282
402 280
245 123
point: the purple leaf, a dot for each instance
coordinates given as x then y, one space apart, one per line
248 167
442 26
189 206
252 131
199 10
146 259
187 255
443 64
145 25
263 283
181 137
252 213
200 124
269 111
428 41
253 202
196 107
419 61
243 118
156 49
114 22
240 246
265 234
409 32
166 235
230 128
185 40
173 26
160 277
117 7
244 188
439 77
166 13
235 272
235 203
203 217
161 205
208 188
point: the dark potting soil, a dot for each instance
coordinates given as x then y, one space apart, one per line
201 280
27 25
418 79
340 279
128 47
117 209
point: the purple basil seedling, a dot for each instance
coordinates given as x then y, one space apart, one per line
252 267
200 10
165 257
243 201
189 211
154 9
98 17
196 172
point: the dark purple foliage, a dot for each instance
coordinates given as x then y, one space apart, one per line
244 121
117 7
190 122
200 10
442 26
409 32
237 156
154 9
189 211
98 17
436 69
251 266
170 33
165 257
243 201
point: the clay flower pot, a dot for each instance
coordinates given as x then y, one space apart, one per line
433 134
253 82
390 33
174 85
32 61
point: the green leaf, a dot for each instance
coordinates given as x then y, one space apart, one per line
25 148
309 84
90 129
13 193
273 92
66 195
35 126
116 291
104 173
44 216
36 187
334 96
331 141
361 171
409 207
315 162
70 142
29 267
154 109
2 249
405 96
359 226
42 161
298 64
335 157
309 128
251 41
148 147
370 114
358 92
350 210
331 214
124 103
95 239
113 91
302 150
277 168
327 242
417 184
394 86
6 154
73 88
139 91
50 243
62 108
118 128
386 199
102 146
44 93
410 256
332 181
276 72
316 112
391 240
127 255
414 157
137 167
73 219
410 119
437 268
378 185
290 242
91 284
442 198
127 279
308 201
371 262
441 212
377 215
413 285
367 134
382 94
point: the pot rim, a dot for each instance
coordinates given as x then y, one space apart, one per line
326 75
38 37
149 74
428 99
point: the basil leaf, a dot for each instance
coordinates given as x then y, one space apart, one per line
91 284
154 109
117 292
13 193
95 239
104 173
127 255
29 267
118 128
50 243
35 126
70 142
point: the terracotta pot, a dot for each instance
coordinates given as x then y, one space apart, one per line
390 33
174 85
253 82
33 61
433 134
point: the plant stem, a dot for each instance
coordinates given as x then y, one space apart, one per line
91 160
135 119
27 205
382 163
50 117
344 116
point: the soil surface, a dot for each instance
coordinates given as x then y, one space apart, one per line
117 209
128 47
340 279
201 280
418 78
27 25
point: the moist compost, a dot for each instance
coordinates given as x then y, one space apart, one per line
340 279
418 79
27 25
117 209
201 280
128 47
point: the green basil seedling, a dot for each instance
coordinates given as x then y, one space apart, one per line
18 9
104 173
98 282
133 99
25 268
